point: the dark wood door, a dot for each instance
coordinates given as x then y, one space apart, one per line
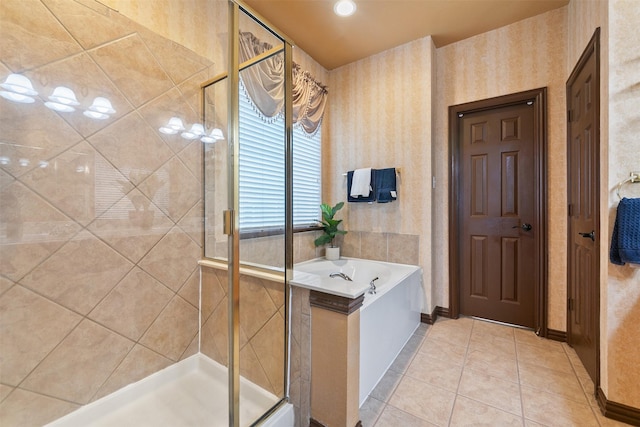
583 232
498 227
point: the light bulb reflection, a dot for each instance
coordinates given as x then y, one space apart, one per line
102 105
196 131
96 115
64 95
18 83
174 126
56 106
16 97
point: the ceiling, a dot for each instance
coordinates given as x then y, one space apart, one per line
379 25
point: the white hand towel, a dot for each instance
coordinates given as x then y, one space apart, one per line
361 183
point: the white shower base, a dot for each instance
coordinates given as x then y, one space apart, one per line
192 392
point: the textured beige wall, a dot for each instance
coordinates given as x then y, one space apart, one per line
379 115
526 55
621 305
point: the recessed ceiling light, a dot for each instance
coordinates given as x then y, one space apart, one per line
344 7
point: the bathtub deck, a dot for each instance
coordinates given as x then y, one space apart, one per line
190 393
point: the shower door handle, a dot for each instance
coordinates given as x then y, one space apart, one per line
227 222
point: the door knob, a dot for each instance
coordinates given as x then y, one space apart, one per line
591 235
525 226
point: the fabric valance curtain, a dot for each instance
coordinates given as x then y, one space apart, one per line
264 84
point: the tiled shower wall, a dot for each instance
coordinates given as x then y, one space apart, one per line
100 221
262 323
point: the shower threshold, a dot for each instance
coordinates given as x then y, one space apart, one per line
192 392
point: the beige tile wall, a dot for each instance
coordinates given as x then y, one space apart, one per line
261 327
98 250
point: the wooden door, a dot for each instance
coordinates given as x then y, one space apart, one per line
497 214
583 100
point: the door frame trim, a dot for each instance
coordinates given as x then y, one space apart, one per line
593 47
539 96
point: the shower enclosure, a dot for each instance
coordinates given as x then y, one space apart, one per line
117 270
248 205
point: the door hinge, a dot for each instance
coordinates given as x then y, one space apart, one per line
227 222
568 116
570 304
570 210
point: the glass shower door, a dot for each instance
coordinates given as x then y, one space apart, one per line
245 218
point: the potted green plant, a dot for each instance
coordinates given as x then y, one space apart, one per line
330 228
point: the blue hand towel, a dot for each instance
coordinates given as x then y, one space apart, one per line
385 183
625 240
372 193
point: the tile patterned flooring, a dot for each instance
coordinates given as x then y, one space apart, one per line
472 372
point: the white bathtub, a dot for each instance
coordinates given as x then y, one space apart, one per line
387 318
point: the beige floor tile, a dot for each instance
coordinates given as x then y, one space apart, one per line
524 336
462 324
554 410
468 412
443 350
489 328
394 417
452 335
491 364
423 400
548 360
441 373
555 382
487 343
504 395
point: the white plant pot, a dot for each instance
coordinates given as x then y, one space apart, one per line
331 253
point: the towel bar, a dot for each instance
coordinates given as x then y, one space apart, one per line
397 172
634 178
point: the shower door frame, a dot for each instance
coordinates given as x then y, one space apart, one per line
231 215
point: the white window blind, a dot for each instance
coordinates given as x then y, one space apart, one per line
262 170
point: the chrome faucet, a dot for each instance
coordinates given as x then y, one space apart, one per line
372 289
341 275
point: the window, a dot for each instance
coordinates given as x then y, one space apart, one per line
262 169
